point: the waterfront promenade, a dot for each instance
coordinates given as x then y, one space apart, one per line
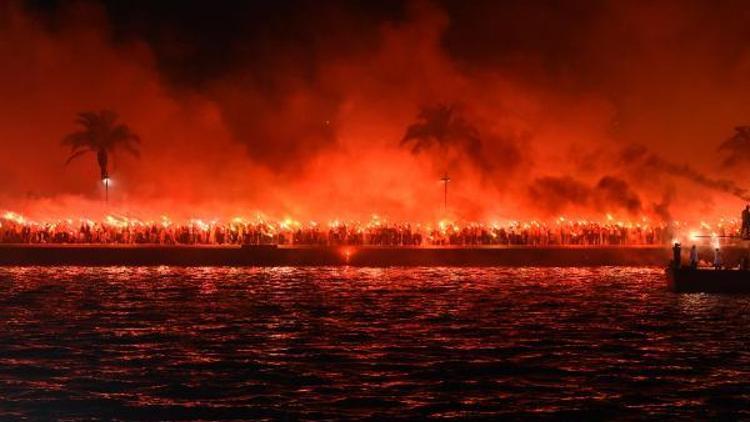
272 255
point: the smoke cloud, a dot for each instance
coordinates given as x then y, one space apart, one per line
737 147
558 195
348 109
650 162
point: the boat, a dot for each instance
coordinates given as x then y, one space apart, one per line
708 280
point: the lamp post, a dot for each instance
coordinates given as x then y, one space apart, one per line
106 182
445 179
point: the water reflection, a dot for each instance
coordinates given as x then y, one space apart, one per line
208 343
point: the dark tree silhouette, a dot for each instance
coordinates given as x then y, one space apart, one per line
101 135
441 125
737 147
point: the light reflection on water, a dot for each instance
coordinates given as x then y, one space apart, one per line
208 343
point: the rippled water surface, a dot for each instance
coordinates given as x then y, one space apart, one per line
213 343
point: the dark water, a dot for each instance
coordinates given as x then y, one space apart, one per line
208 343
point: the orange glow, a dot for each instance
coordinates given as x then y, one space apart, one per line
290 231
9 215
329 150
347 254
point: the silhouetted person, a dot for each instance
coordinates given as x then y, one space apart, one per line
745 231
677 255
745 263
717 259
693 257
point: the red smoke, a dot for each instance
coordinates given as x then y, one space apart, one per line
325 143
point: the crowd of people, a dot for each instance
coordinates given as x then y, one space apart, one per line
121 230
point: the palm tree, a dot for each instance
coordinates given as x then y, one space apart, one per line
441 125
102 135
737 147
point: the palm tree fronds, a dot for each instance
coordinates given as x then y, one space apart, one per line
78 139
102 135
416 132
87 119
132 150
75 155
440 124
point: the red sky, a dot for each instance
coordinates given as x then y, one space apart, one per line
311 127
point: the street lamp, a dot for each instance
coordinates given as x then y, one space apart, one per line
445 179
106 180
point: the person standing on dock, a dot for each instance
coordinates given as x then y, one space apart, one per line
745 231
717 259
677 255
693 257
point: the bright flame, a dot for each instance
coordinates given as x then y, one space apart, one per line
11 216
